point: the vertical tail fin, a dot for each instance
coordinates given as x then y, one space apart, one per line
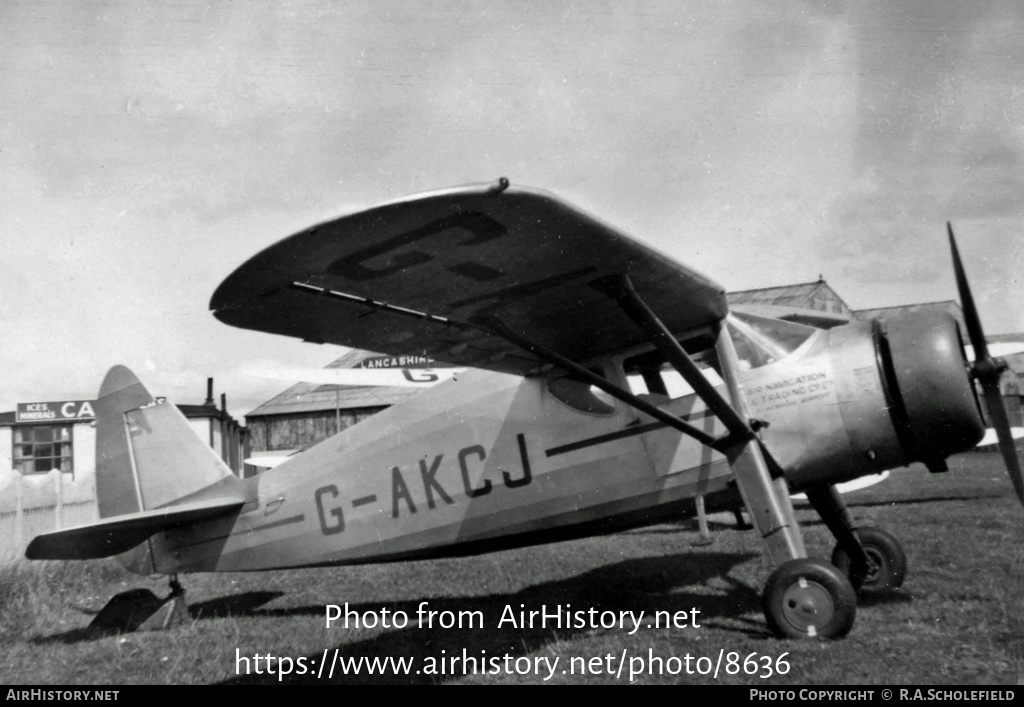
147 454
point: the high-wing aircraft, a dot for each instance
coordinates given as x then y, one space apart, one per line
358 369
615 387
406 371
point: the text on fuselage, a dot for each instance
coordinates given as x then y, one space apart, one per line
329 502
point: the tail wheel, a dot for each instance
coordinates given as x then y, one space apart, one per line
809 599
887 563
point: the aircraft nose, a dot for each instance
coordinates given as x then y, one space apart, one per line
932 400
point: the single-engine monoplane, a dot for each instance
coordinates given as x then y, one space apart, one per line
608 387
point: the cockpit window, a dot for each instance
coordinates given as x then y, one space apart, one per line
760 341
649 374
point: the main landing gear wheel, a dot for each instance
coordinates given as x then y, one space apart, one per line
887 563
809 599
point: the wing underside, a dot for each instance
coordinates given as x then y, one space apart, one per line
427 274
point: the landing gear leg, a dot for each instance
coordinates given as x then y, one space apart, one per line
887 563
832 509
803 598
873 558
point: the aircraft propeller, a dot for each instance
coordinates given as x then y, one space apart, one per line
988 371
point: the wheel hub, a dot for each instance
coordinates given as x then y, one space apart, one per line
875 564
807 605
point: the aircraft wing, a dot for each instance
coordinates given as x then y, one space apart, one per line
422 274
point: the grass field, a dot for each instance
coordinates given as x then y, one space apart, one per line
959 619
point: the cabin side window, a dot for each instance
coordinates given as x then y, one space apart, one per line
651 376
582 397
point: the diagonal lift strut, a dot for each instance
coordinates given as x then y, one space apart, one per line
498 327
767 500
621 290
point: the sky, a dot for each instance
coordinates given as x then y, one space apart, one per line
149 148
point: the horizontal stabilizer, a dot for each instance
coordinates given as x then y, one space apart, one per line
991 438
112 536
271 459
998 349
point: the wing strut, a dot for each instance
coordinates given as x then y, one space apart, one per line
621 290
499 328
766 499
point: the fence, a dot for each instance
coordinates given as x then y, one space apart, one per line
31 505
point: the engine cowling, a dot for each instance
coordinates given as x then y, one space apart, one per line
879 395
933 405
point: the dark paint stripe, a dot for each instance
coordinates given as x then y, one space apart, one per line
601 439
621 434
278 523
363 500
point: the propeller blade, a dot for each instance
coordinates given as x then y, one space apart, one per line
974 331
988 371
1001 423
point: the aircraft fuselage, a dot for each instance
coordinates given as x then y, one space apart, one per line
492 460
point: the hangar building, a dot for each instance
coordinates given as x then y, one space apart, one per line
816 295
307 413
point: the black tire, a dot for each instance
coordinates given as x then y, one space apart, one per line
887 563
809 599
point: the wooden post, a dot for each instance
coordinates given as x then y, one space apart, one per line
58 510
702 519
19 516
